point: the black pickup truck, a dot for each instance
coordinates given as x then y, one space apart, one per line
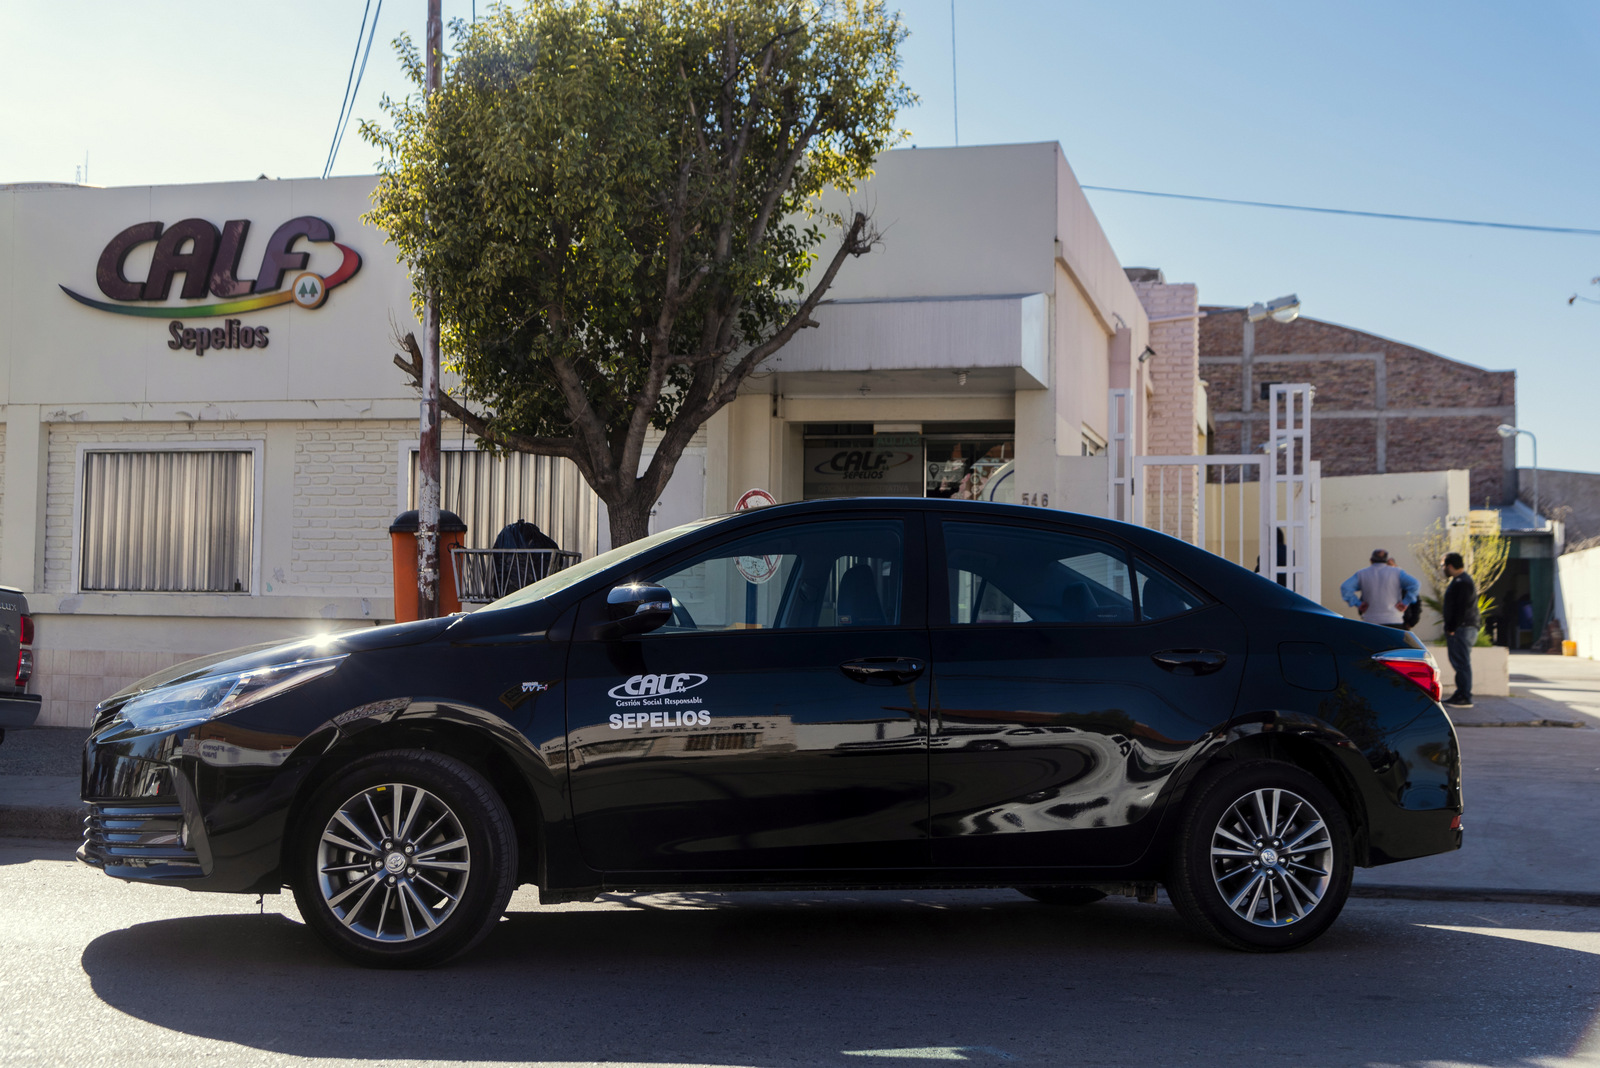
18 708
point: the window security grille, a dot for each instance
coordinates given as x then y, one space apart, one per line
489 491
171 522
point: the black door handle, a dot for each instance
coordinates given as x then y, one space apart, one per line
884 670
1190 661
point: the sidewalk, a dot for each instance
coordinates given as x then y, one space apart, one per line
1531 769
40 772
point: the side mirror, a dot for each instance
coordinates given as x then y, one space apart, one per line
635 608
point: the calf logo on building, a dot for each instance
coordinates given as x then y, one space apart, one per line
208 259
862 463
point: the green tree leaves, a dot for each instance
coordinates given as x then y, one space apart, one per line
615 203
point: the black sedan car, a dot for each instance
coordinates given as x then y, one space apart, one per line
832 694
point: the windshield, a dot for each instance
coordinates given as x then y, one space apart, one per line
575 574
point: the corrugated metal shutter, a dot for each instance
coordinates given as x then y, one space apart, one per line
489 491
180 521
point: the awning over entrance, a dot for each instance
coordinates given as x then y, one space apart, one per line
983 336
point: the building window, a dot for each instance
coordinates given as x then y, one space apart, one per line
944 460
488 492
177 521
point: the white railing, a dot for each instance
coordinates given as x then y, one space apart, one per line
1213 502
1292 479
1259 510
1119 452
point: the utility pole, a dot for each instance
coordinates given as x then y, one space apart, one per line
428 447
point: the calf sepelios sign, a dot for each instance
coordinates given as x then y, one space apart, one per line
208 259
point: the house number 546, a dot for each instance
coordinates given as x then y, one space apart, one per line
1038 500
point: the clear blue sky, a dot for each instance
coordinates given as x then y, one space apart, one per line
1469 110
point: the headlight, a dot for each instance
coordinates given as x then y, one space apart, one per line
188 703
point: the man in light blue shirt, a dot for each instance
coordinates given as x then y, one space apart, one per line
1381 591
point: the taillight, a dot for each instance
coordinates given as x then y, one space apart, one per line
26 630
24 666
1419 669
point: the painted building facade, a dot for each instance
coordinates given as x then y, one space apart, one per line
203 439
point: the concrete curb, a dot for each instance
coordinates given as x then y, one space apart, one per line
42 821
1457 893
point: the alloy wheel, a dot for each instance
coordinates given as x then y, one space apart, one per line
393 863
1272 857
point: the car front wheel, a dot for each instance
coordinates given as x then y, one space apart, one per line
1263 857
406 859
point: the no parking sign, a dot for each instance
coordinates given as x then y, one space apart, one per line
756 569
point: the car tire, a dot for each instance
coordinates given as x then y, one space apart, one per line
1072 896
404 859
1263 857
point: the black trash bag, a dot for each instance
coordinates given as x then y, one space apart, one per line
512 572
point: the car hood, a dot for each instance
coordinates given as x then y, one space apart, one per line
267 654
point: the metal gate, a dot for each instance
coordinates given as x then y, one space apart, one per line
1259 510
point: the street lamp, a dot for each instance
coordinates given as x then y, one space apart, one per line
1506 430
1283 310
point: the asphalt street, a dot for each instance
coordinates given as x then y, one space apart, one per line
99 972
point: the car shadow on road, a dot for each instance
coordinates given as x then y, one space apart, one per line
816 981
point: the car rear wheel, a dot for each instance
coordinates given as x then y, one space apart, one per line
405 859
1062 895
1263 857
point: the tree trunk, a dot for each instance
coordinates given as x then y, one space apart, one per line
630 520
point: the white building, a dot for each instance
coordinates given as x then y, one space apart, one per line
205 438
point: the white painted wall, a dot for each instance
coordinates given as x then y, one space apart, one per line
56 352
1361 513
1578 599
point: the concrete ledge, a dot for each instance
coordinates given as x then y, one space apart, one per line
42 821
1491 670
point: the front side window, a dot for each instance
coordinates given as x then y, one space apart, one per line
180 521
1001 574
839 574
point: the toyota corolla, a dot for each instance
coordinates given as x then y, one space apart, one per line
831 694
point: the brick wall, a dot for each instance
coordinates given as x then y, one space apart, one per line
1172 495
1381 406
1174 367
345 495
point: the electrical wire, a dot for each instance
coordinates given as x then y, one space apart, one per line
349 110
955 98
1349 211
349 80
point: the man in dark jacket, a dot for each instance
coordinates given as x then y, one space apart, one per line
1460 626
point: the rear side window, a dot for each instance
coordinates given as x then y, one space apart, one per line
998 574
1160 597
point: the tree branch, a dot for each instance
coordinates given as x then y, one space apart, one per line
479 425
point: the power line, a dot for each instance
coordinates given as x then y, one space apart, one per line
955 99
348 109
344 101
1349 211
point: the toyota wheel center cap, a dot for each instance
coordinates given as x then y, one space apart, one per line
1269 856
394 863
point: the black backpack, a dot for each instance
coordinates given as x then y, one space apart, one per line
1413 615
